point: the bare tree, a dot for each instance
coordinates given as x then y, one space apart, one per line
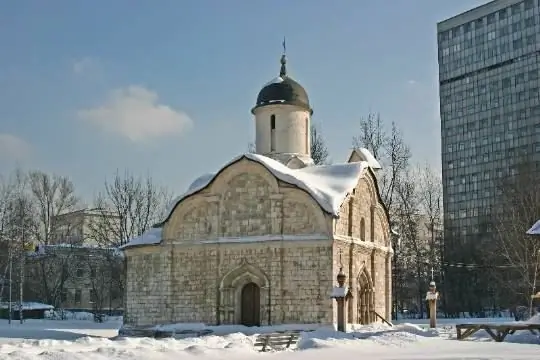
430 193
413 254
105 269
53 195
50 195
319 151
19 231
373 135
126 208
251 148
51 269
387 147
516 253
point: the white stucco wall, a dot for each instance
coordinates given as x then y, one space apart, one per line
291 133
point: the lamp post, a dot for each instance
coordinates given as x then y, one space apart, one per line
536 265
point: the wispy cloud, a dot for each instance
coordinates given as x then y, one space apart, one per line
84 65
13 147
411 82
135 113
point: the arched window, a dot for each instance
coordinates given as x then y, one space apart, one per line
362 229
272 132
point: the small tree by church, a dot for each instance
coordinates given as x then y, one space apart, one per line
319 151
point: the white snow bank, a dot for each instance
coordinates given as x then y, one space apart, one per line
380 333
534 320
63 340
535 230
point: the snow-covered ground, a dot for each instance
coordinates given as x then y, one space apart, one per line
84 339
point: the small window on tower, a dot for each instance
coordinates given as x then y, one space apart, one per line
273 122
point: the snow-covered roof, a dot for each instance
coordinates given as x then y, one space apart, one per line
535 230
150 237
329 185
367 156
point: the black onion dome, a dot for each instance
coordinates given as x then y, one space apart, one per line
283 90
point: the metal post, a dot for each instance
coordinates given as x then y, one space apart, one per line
10 279
21 277
531 301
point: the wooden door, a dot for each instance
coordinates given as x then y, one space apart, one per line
251 301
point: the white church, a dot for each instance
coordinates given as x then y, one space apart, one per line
261 240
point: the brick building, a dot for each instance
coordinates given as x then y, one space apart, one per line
261 241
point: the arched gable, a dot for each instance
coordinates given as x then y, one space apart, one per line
190 220
302 214
221 181
242 274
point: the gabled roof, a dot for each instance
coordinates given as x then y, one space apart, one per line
365 155
328 185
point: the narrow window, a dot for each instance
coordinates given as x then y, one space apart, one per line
273 132
362 229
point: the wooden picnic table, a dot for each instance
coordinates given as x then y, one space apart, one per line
497 331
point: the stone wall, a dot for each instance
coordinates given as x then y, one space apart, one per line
255 229
248 227
246 200
362 239
295 279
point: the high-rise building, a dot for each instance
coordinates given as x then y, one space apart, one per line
489 73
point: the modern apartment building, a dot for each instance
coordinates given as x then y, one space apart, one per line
489 80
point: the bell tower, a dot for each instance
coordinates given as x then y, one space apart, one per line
283 120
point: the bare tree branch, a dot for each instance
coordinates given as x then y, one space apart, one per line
126 208
53 195
319 151
517 253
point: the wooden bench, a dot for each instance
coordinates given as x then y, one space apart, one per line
278 340
498 332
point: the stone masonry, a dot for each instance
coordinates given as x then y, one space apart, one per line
247 227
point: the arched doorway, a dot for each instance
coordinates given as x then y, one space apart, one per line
365 299
251 305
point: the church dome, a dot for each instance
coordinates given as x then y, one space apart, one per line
283 90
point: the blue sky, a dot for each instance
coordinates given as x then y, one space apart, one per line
166 87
